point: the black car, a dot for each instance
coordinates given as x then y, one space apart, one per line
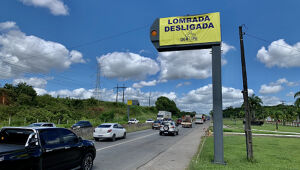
44 148
81 124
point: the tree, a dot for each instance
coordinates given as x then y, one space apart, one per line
255 104
297 104
164 103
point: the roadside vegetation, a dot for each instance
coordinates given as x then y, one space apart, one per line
20 105
269 153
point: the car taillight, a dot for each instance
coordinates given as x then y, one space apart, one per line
172 126
109 130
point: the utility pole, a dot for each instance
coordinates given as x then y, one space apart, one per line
117 93
149 98
120 87
248 131
97 89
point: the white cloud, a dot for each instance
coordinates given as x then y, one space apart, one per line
80 93
280 54
40 91
275 87
33 81
20 54
200 100
183 84
270 89
144 83
270 100
126 65
8 25
56 7
188 64
290 94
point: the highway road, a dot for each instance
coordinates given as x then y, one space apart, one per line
134 151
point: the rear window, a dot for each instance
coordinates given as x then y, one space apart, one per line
15 136
104 126
156 121
160 115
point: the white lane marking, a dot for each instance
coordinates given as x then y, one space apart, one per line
125 142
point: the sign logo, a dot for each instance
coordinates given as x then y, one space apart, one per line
195 29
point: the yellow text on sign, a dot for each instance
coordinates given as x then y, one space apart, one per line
190 29
129 102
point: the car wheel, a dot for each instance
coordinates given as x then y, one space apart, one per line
87 162
177 133
113 138
160 133
96 139
124 135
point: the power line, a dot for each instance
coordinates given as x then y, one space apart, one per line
110 37
264 40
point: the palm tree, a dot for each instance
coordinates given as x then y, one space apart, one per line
297 104
255 105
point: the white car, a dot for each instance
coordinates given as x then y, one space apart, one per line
133 121
109 131
167 128
149 121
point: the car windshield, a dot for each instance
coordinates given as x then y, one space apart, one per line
132 120
149 120
14 136
156 121
104 126
160 115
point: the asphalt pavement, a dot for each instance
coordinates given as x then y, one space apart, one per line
135 151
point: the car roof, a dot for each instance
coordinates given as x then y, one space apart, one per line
43 123
109 123
31 128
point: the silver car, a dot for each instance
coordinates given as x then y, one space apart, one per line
167 128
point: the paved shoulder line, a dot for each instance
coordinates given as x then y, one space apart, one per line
126 142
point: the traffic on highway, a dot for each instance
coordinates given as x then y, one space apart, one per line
45 146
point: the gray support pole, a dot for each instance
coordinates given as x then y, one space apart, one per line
128 112
217 105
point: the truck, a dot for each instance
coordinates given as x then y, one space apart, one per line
44 148
187 121
199 118
164 115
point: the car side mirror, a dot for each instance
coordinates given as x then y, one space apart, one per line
79 139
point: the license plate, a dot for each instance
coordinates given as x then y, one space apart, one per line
100 135
165 132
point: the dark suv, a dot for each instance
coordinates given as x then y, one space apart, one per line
81 124
44 148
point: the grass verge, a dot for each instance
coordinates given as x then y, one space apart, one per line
269 153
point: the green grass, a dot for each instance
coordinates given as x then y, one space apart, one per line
239 125
269 154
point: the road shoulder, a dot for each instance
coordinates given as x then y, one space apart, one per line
178 156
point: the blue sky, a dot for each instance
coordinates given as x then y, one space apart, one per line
55 45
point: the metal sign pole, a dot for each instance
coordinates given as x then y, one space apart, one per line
217 105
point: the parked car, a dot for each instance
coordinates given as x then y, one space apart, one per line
109 131
168 128
42 124
81 124
133 121
149 121
44 148
178 121
156 124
